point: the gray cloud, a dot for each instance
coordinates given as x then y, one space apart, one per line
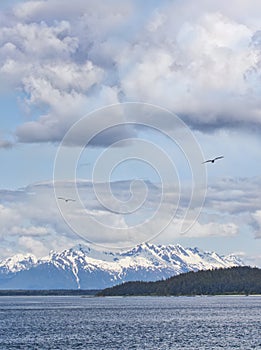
70 59
234 195
30 217
5 144
257 223
199 72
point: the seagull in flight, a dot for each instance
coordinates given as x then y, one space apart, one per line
213 160
67 199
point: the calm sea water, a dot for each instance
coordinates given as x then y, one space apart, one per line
130 323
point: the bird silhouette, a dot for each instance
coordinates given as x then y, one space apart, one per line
213 160
67 199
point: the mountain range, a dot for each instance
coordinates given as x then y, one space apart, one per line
83 267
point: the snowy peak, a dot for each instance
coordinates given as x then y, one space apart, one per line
171 258
87 268
17 262
176 255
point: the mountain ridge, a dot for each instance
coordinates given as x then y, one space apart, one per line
83 267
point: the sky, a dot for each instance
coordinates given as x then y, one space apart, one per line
116 105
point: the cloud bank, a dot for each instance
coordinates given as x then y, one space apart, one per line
69 59
31 220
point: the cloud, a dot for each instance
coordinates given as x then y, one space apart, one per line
199 72
58 10
29 231
69 59
118 216
234 195
24 218
210 230
257 223
5 144
31 245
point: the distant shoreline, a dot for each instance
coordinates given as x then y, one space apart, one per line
93 293
49 292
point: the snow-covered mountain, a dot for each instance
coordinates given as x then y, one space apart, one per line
86 268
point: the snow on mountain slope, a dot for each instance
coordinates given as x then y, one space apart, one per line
17 263
88 268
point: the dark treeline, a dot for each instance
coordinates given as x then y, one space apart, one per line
235 280
57 292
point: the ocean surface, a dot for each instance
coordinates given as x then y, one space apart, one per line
219 322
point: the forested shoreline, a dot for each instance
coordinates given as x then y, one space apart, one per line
235 280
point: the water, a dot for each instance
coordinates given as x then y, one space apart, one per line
130 323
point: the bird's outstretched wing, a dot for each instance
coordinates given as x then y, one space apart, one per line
67 199
220 157
213 160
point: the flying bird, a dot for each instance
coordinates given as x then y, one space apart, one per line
67 199
213 160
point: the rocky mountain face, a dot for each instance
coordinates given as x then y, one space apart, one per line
82 267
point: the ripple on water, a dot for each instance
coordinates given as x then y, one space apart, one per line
130 323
